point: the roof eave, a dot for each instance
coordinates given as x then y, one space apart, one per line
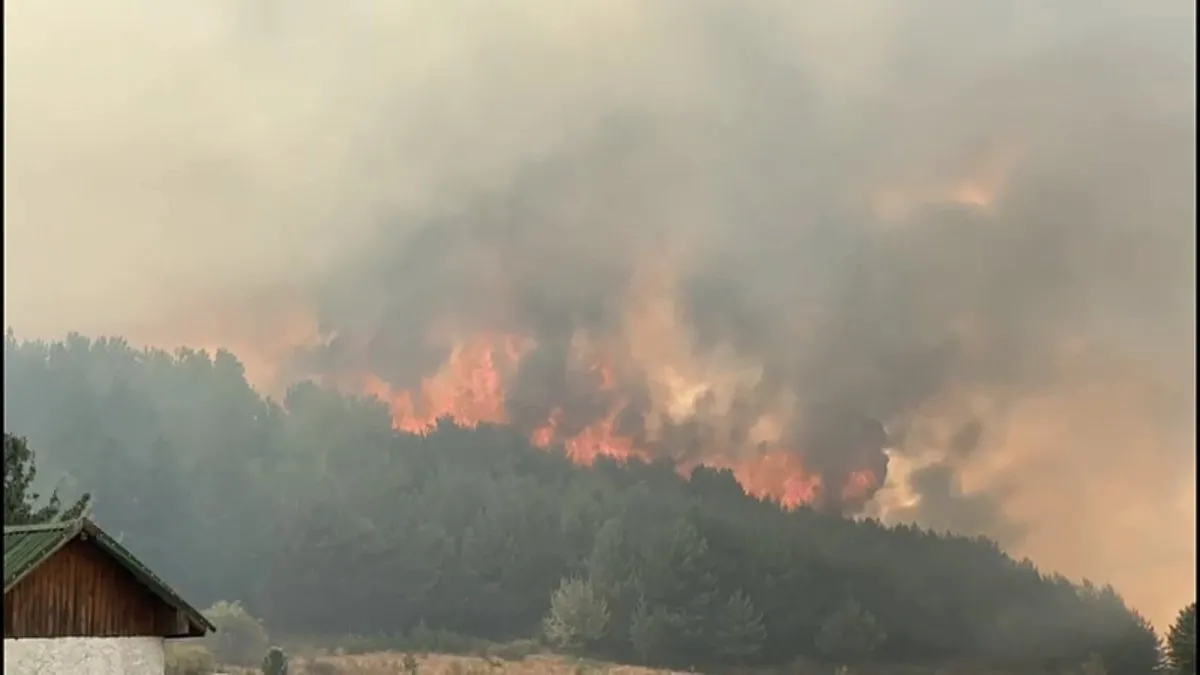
194 631
196 620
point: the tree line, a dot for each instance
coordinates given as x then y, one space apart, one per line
319 517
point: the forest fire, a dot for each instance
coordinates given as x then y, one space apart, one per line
473 386
468 390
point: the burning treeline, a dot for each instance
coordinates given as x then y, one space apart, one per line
656 290
612 396
795 362
666 288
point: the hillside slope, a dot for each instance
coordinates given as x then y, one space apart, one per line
322 519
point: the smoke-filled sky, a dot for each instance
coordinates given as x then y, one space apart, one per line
970 223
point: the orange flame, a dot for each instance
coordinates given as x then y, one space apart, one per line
469 389
780 476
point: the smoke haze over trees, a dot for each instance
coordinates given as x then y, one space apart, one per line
931 261
322 519
22 503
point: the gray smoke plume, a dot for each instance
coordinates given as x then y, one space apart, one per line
944 242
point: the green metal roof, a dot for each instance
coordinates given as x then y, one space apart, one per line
28 546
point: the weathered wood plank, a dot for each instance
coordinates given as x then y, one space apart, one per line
80 592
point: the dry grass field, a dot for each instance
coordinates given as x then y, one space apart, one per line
393 663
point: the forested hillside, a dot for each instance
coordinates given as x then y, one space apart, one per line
320 518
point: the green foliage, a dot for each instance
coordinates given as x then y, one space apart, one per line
1181 643
851 633
189 659
324 520
1124 641
739 632
20 499
649 632
578 616
275 662
677 588
240 639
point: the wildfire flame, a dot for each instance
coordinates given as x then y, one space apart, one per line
651 351
470 389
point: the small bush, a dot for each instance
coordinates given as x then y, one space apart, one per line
240 639
275 662
189 659
578 616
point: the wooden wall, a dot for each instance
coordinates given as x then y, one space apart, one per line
82 592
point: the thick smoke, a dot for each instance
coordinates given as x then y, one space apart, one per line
950 241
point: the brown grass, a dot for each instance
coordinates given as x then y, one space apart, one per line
392 663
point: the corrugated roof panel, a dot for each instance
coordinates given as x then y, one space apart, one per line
26 546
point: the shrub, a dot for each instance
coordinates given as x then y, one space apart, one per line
189 659
275 662
578 616
240 639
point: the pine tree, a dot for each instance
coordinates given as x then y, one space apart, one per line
578 616
1181 643
678 586
650 632
850 634
739 634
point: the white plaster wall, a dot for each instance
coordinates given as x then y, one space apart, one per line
84 656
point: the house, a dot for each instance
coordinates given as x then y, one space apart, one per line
75 601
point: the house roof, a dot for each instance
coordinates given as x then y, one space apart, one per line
28 546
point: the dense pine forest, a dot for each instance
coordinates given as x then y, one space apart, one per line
319 517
